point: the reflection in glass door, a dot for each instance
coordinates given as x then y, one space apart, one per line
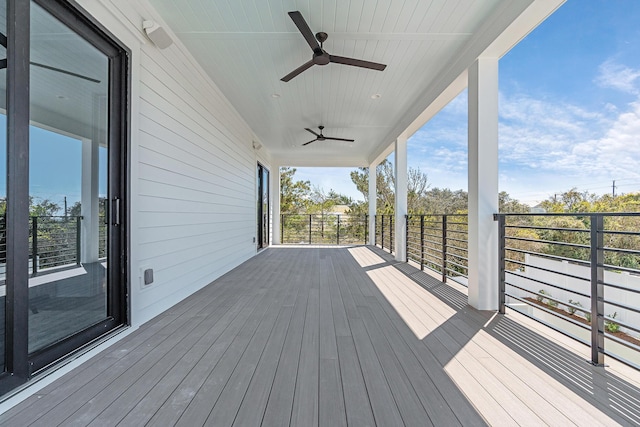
62 225
3 184
263 206
67 180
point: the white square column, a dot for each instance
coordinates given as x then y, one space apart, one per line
274 176
373 199
400 240
483 184
90 202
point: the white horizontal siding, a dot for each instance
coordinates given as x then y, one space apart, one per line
193 201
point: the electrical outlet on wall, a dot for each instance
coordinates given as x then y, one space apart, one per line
146 276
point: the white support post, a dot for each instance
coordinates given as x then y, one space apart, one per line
400 238
483 184
373 199
275 204
89 202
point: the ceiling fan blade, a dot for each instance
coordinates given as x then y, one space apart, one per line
309 130
303 27
357 62
297 71
307 143
339 139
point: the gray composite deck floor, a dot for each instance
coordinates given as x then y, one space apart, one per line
334 337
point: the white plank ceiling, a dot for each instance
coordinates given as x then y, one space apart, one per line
246 46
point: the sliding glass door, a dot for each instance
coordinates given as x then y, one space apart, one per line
62 229
263 206
3 183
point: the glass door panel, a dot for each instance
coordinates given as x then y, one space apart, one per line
3 185
67 182
265 207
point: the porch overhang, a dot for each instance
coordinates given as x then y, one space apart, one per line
428 49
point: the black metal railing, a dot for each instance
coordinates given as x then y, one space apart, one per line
327 229
102 236
54 241
439 243
384 232
577 273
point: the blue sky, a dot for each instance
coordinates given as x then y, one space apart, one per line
55 166
569 111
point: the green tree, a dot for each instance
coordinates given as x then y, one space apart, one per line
509 205
76 209
294 195
43 208
385 186
417 185
445 201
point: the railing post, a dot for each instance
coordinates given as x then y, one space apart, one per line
406 239
390 224
597 287
338 231
502 244
34 245
282 229
422 242
78 228
444 249
382 231
366 228
309 228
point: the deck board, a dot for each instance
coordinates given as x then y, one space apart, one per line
331 336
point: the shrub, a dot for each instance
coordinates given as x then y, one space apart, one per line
610 325
541 299
572 308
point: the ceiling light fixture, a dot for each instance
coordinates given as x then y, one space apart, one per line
275 95
376 96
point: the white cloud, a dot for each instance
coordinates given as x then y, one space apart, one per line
575 146
546 144
618 76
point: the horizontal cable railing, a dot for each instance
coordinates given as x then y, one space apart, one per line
327 229
102 236
54 241
577 273
384 232
439 243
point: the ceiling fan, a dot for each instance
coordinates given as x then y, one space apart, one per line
320 56
321 137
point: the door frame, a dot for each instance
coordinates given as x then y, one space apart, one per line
20 365
263 218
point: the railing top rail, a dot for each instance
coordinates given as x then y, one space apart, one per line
574 214
55 216
438 214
